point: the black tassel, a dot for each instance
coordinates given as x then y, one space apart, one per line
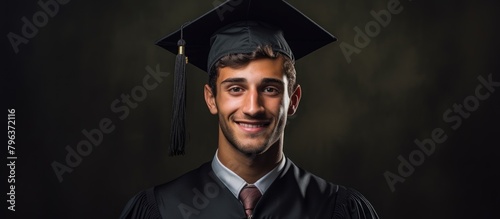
178 129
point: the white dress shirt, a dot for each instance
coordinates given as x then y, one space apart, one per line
235 183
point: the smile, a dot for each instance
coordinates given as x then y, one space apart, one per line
246 125
253 126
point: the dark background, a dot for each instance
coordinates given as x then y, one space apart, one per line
354 120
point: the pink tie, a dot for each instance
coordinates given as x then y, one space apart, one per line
249 196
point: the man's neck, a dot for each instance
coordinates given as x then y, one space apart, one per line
251 167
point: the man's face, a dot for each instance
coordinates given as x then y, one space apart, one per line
252 103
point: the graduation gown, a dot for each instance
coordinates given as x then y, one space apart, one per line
295 193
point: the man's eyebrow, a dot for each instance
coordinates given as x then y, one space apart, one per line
273 81
234 80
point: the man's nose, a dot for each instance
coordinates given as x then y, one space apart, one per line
253 104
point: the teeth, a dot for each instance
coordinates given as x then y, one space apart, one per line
251 125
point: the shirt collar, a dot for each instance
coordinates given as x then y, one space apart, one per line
235 183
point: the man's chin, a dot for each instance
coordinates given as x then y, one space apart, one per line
251 150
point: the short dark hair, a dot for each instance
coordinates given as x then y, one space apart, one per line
241 60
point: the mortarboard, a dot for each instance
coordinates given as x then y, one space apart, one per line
234 27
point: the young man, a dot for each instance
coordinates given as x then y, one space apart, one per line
252 89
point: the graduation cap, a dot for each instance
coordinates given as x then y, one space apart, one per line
236 27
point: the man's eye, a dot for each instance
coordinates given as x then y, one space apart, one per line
271 90
235 89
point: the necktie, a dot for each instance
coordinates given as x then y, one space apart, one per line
249 196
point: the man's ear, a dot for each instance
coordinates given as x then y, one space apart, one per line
294 100
210 99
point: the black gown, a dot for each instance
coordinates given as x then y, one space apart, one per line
295 193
